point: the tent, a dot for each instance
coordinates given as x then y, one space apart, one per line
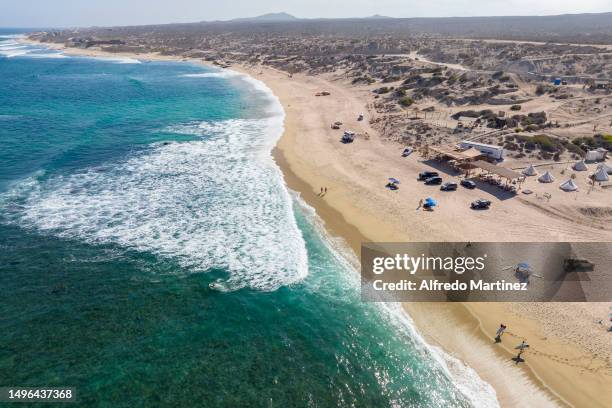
431 202
601 175
580 166
568 185
546 178
605 166
530 171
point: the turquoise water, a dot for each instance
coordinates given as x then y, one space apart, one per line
150 253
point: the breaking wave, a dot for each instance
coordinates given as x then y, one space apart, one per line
221 74
218 202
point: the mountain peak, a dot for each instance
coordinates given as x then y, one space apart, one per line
282 16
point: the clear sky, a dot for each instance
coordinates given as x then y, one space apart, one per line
65 13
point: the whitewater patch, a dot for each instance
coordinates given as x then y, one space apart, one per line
10 53
219 202
222 74
124 60
468 383
11 49
274 106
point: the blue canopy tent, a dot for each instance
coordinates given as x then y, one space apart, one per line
430 202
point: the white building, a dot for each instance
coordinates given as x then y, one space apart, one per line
491 151
596 155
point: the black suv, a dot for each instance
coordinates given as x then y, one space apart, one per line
449 186
427 174
468 184
433 180
480 204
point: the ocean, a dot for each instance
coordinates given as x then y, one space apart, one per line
151 254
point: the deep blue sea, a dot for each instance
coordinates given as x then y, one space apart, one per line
151 255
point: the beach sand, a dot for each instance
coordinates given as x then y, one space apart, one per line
566 366
358 208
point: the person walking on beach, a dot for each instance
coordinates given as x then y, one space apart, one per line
521 348
500 331
325 190
420 203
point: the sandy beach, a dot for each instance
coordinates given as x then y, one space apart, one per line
311 156
570 362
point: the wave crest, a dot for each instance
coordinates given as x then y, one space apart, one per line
219 202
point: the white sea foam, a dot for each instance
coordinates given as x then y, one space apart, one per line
12 49
220 74
479 393
125 60
13 53
273 108
11 46
46 55
215 203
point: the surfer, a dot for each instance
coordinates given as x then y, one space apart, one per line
500 331
521 348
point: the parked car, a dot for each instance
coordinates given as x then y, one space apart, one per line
448 186
480 204
433 181
427 174
468 184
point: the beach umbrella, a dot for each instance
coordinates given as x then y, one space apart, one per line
394 180
580 166
530 171
431 202
601 175
523 265
568 185
546 178
523 271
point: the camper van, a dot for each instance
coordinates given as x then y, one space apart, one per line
491 151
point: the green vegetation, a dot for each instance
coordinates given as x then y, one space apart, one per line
515 107
542 142
597 141
383 90
406 101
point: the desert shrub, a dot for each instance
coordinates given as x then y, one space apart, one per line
467 114
511 146
406 101
383 90
391 78
597 141
515 107
546 155
542 142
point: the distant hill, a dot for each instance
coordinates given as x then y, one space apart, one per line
572 28
269 17
377 17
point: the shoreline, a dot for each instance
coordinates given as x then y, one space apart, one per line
538 382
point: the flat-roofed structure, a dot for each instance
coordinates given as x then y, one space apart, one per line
452 153
498 170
